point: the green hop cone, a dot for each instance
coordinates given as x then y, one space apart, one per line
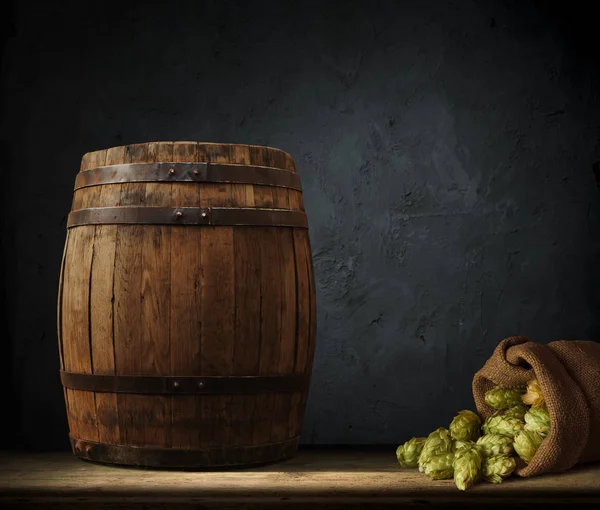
467 467
502 398
408 453
534 397
438 442
518 411
459 443
498 467
494 444
538 420
465 426
526 444
503 426
439 467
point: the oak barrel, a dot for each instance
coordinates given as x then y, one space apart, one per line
186 308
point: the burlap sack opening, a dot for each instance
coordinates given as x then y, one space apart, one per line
569 375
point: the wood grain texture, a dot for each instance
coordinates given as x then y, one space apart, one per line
103 305
100 306
263 195
76 315
128 318
82 415
155 411
218 298
186 300
287 343
186 303
302 328
340 479
270 334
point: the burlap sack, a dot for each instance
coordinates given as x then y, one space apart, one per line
569 374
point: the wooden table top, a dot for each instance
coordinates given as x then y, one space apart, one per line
325 478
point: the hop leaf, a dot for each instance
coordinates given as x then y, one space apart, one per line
494 444
538 420
467 467
439 467
438 442
408 453
502 398
498 467
503 426
465 426
517 412
526 444
533 397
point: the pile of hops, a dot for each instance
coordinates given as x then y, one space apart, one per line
470 451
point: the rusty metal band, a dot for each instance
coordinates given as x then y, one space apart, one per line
186 385
208 216
206 458
188 172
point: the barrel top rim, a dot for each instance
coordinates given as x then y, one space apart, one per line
192 141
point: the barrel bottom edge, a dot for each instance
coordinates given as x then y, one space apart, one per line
205 459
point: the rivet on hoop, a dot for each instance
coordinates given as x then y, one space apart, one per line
203 215
195 171
200 384
176 384
172 171
179 214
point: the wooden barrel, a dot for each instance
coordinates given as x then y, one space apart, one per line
186 309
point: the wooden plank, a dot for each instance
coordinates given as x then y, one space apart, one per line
282 406
270 319
303 300
359 477
295 200
102 328
286 161
102 311
127 306
302 328
247 307
90 197
77 197
100 307
247 326
312 320
218 298
263 195
81 404
75 328
270 302
186 302
278 159
242 194
154 412
216 194
281 199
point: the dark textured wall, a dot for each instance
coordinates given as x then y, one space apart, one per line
445 149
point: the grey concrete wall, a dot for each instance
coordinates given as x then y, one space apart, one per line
445 149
